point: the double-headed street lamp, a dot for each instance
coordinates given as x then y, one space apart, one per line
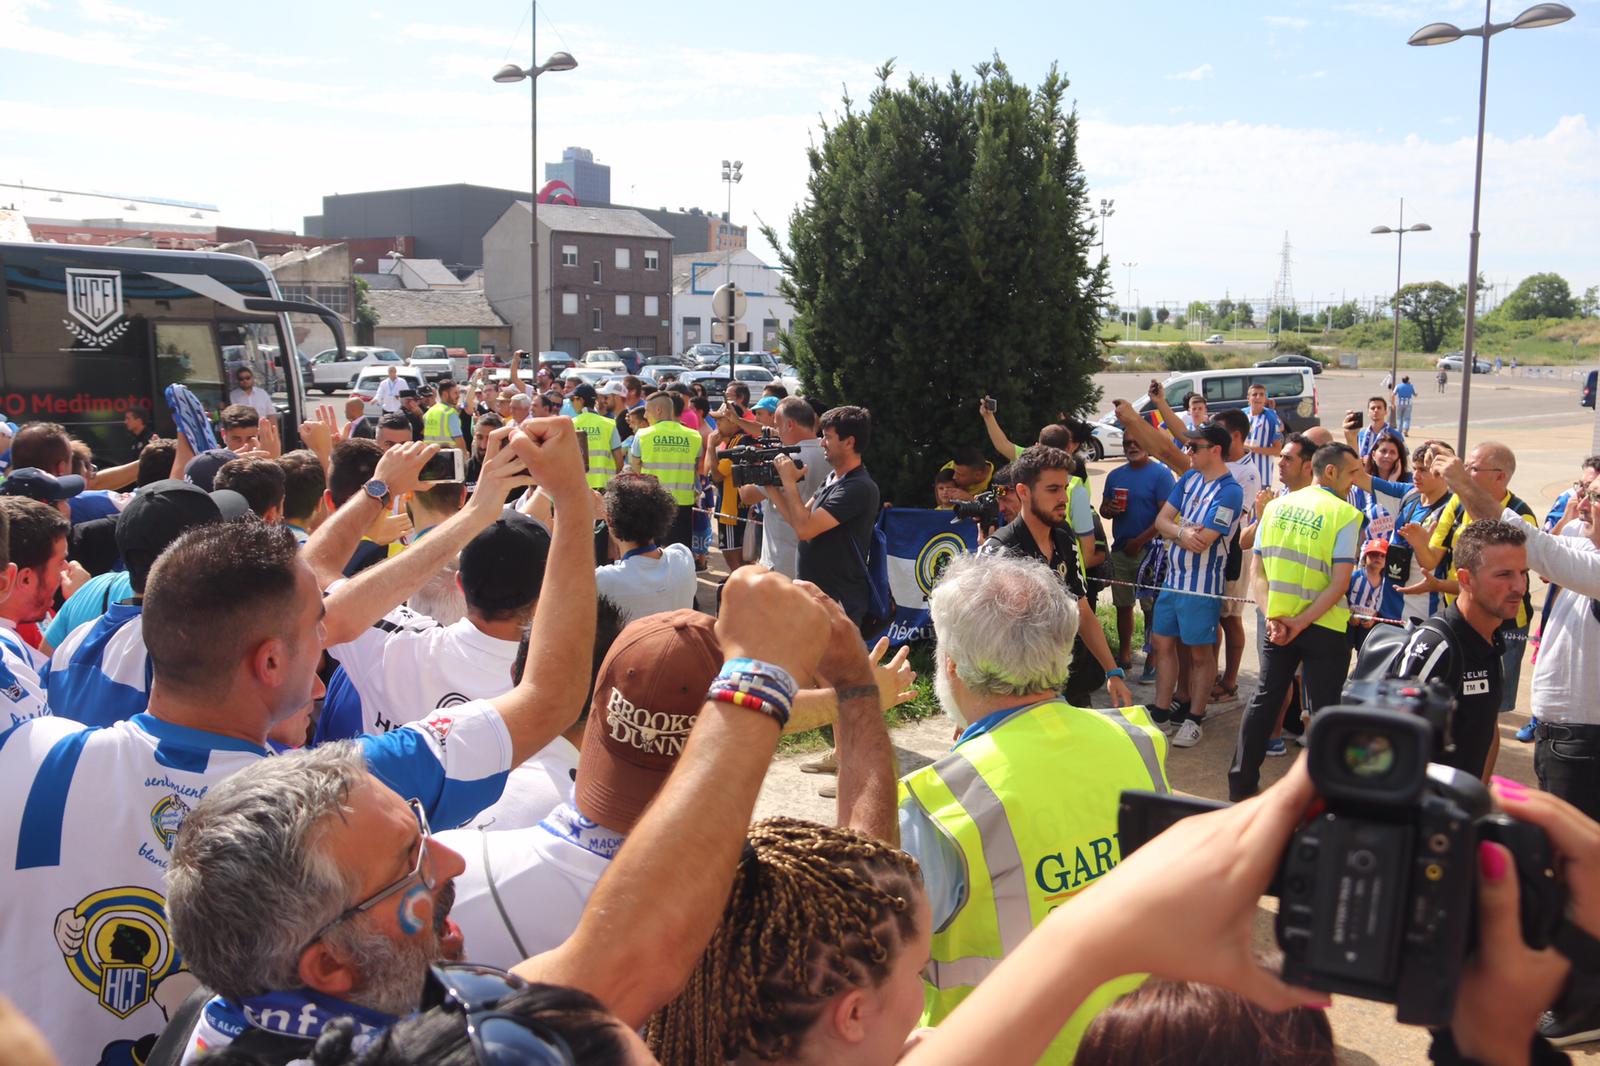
1107 209
1400 244
507 75
1444 33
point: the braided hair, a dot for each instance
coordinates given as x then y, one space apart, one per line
814 910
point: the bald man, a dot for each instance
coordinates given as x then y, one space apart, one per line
357 424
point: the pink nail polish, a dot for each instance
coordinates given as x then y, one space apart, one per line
1491 861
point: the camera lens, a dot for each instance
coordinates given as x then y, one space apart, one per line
1368 755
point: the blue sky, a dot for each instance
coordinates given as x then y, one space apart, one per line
1216 128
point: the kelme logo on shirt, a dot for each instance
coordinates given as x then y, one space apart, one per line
117 945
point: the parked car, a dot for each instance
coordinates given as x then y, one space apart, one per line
765 361
1587 398
604 359
483 360
659 374
705 356
632 359
556 362
1293 359
589 375
432 359
1215 338
330 372
367 380
1292 390
1455 360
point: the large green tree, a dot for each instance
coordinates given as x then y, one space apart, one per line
1540 296
1433 307
942 256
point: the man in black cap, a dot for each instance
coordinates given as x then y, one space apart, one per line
34 484
411 407
99 674
408 665
201 471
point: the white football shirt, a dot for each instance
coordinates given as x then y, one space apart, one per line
89 819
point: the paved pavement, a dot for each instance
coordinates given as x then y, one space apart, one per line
1548 456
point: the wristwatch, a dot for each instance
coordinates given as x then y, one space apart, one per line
376 489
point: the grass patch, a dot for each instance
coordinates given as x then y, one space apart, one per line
923 705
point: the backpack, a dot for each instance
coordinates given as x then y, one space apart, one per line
1383 652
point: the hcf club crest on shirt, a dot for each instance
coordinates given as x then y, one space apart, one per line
117 946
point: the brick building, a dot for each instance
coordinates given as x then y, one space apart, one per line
605 278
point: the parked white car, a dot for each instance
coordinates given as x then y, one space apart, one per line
330 373
1215 338
1456 360
604 359
368 379
432 359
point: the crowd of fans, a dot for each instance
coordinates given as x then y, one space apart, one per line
350 754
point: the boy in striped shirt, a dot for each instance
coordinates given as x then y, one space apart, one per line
1266 434
1366 591
1197 521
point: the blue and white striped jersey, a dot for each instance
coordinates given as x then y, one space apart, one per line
90 816
1368 438
101 673
21 691
1266 429
1365 597
1212 505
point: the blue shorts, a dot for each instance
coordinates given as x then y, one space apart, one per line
1192 619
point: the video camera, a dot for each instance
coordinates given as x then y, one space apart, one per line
752 463
1377 889
985 507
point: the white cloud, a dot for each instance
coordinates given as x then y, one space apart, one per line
119 15
1200 73
1287 22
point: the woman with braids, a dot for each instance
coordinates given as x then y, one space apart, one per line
817 958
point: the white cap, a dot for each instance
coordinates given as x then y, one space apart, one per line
612 388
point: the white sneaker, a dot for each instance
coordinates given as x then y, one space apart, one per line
1188 734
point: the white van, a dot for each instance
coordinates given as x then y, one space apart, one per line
1292 390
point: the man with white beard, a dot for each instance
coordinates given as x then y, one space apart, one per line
1022 814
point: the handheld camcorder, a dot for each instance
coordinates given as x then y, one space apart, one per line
752 463
1377 889
985 507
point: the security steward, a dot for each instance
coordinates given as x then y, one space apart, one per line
1022 814
600 437
441 423
670 451
1305 551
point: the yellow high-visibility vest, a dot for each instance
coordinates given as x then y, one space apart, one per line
597 431
669 450
1032 806
1296 543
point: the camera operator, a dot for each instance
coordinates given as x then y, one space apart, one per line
834 528
1043 476
797 427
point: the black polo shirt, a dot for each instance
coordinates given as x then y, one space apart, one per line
1473 674
1017 539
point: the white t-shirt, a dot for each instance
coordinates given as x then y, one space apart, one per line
91 815
533 789
780 546
1566 681
408 665
255 398
642 586
1247 472
544 874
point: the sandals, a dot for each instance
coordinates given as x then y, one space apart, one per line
1221 693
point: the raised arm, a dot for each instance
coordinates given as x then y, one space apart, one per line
355 605
673 874
1160 445
555 681
330 546
867 800
115 477
808 524
997 436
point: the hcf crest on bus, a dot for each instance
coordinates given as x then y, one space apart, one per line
94 300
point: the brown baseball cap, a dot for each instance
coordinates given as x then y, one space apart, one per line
650 689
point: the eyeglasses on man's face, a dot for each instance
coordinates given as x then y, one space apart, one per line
423 872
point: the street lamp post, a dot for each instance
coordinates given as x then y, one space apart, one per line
1128 332
1107 209
1400 244
732 174
1444 33
506 75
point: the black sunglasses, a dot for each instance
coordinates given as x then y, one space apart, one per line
498 1039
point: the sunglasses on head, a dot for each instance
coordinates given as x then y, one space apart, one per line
497 1038
1198 446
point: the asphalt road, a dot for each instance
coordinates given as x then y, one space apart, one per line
1496 399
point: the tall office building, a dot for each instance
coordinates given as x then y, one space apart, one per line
589 181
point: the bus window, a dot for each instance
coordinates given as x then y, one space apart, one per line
186 353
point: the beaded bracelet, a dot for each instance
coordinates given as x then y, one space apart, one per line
778 712
754 671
